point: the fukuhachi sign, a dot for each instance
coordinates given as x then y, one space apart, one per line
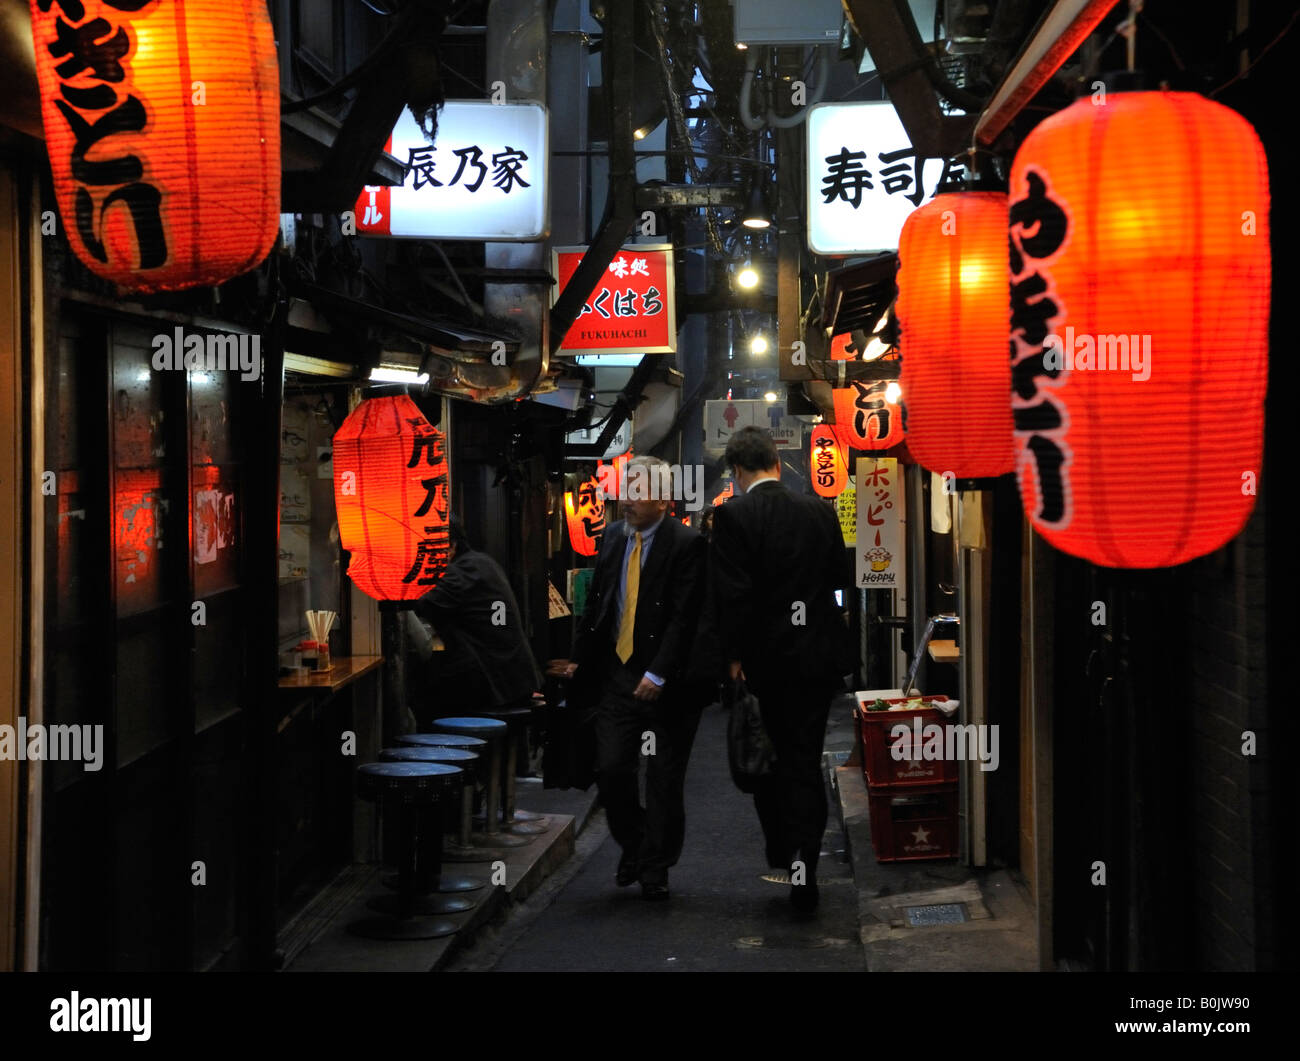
864 178
483 177
630 311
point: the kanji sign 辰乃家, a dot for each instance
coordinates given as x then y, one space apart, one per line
483 177
630 310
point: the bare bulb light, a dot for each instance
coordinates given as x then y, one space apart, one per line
747 277
770 396
893 392
758 345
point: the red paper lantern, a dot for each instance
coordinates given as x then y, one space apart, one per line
162 122
866 417
391 496
1140 277
952 315
585 517
840 347
829 469
612 475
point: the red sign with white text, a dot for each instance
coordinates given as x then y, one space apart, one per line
630 311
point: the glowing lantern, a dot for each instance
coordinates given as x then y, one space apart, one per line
829 461
1140 295
585 517
612 475
866 417
952 314
162 123
391 496
843 348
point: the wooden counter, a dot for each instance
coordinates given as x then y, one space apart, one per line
345 670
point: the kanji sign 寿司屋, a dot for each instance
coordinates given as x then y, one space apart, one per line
630 310
863 178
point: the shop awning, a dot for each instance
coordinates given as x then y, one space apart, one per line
858 295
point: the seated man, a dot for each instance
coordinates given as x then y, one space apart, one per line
488 662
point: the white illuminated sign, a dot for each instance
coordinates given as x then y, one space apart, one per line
485 176
863 178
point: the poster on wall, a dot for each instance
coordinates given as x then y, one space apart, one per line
881 556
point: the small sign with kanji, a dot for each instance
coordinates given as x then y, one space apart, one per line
630 310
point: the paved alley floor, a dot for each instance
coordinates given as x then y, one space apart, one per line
722 915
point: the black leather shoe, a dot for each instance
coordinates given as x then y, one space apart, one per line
654 892
804 897
628 871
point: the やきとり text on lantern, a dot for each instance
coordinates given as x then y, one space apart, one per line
162 126
1145 221
391 496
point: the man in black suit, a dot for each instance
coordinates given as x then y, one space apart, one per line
488 662
776 559
631 654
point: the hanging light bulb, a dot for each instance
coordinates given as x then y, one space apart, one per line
747 277
757 215
893 392
758 345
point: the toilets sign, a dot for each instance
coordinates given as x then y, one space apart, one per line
722 419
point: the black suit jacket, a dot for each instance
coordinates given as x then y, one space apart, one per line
777 558
464 608
668 608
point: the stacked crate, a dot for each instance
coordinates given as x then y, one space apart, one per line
913 800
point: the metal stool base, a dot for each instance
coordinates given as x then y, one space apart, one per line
446 885
402 928
424 905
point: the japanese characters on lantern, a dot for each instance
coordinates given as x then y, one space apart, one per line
1140 281
866 417
162 123
829 469
584 513
391 495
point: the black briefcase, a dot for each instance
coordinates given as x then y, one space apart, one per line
749 749
569 745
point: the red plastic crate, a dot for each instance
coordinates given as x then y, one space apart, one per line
914 824
882 770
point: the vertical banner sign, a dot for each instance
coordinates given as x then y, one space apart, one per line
484 176
864 177
631 310
846 508
391 496
880 551
162 123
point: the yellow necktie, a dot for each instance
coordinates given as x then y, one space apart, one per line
624 646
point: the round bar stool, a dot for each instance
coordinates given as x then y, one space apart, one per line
494 731
405 789
453 740
431 877
513 820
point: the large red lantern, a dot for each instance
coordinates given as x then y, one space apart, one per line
391 497
162 122
829 469
952 316
1139 325
867 418
585 517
